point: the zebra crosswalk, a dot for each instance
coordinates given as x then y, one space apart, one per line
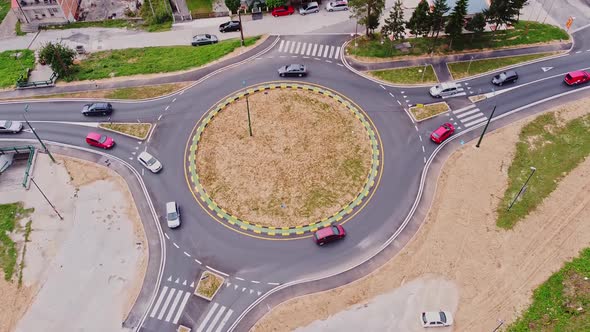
170 304
469 116
309 49
215 319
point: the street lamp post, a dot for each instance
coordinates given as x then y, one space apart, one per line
35 133
241 29
469 65
247 108
485 128
533 169
47 199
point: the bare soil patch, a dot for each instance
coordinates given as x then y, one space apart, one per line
495 270
308 157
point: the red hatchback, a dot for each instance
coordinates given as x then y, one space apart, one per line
442 133
283 11
100 141
576 77
329 234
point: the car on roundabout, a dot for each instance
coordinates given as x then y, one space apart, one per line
436 319
509 76
100 141
329 234
296 70
576 77
444 89
230 26
10 127
205 39
282 11
442 133
172 214
149 162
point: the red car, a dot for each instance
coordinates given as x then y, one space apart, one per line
100 141
329 234
283 11
442 133
576 77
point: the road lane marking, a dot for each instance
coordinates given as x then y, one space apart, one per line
303 46
464 109
176 245
224 320
317 59
475 116
328 61
166 303
315 47
382 87
326 52
174 304
423 150
292 47
337 54
198 262
309 47
214 270
173 100
469 124
341 65
466 113
416 127
159 301
273 283
187 254
391 94
420 137
167 107
281 45
331 52
216 318
204 322
160 117
297 47
400 104
166 235
320 49
181 308
240 278
255 281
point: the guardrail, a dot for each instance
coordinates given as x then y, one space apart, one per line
21 84
21 150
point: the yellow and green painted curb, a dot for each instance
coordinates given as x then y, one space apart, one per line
244 225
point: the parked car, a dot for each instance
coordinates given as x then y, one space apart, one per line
149 162
436 319
337 6
230 26
444 89
293 70
11 127
172 214
329 234
509 76
577 77
283 11
442 133
100 141
97 109
310 7
205 39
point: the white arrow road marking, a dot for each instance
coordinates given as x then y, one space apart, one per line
251 291
28 131
235 287
546 69
243 289
184 283
227 284
170 278
177 280
259 293
193 284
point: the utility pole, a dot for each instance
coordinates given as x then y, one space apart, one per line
485 128
47 199
248 109
533 169
241 30
35 133
469 65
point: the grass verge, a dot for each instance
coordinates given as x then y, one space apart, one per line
208 285
22 259
150 60
18 30
554 147
4 9
407 75
199 6
139 92
428 110
137 130
523 33
9 215
118 23
561 302
459 69
11 68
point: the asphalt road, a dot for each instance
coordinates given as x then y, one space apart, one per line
252 265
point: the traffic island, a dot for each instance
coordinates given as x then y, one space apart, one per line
423 112
312 159
134 130
208 285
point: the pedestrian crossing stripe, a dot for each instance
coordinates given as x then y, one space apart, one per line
216 315
176 299
309 49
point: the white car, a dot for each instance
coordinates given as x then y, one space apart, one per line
172 214
444 90
10 126
149 162
337 6
311 7
436 319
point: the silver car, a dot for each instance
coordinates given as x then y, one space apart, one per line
149 162
205 39
337 6
172 214
311 7
12 127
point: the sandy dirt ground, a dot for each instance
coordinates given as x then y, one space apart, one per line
493 272
308 157
82 273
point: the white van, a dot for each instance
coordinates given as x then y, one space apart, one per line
172 214
444 89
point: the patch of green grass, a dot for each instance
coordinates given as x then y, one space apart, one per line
4 9
150 60
139 130
11 68
9 215
354 168
428 110
118 23
199 6
157 15
524 33
143 92
18 30
556 302
555 149
317 198
407 75
459 69
28 229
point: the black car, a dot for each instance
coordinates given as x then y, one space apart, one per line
293 70
205 39
509 76
230 26
97 109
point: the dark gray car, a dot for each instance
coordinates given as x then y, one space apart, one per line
205 39
230 26
97 109
293 70
508 76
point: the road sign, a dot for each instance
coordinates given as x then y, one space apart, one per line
568 23
546 69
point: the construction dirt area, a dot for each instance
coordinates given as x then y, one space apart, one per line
459 260
82 273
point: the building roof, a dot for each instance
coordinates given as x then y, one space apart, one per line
473 6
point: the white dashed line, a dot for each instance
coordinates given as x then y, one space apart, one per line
420 138
181 92
130 158
423 150
416 127
198 262
293 56
214 270
578 52
425 160
176 245
382 87
255 281
240 278
391 94
328 61
306 57
259 59
187 254
407 100
341 65
273 283
317 59
173 100
166 235
142 172
160 117
400 104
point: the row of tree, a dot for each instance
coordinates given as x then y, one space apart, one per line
427 20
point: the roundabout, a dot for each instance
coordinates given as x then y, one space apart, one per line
313 161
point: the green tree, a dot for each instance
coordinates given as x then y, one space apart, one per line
504 12
59 57
368 13
419 23
394 25
274 3
456 21
477 25
232 5
437 19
